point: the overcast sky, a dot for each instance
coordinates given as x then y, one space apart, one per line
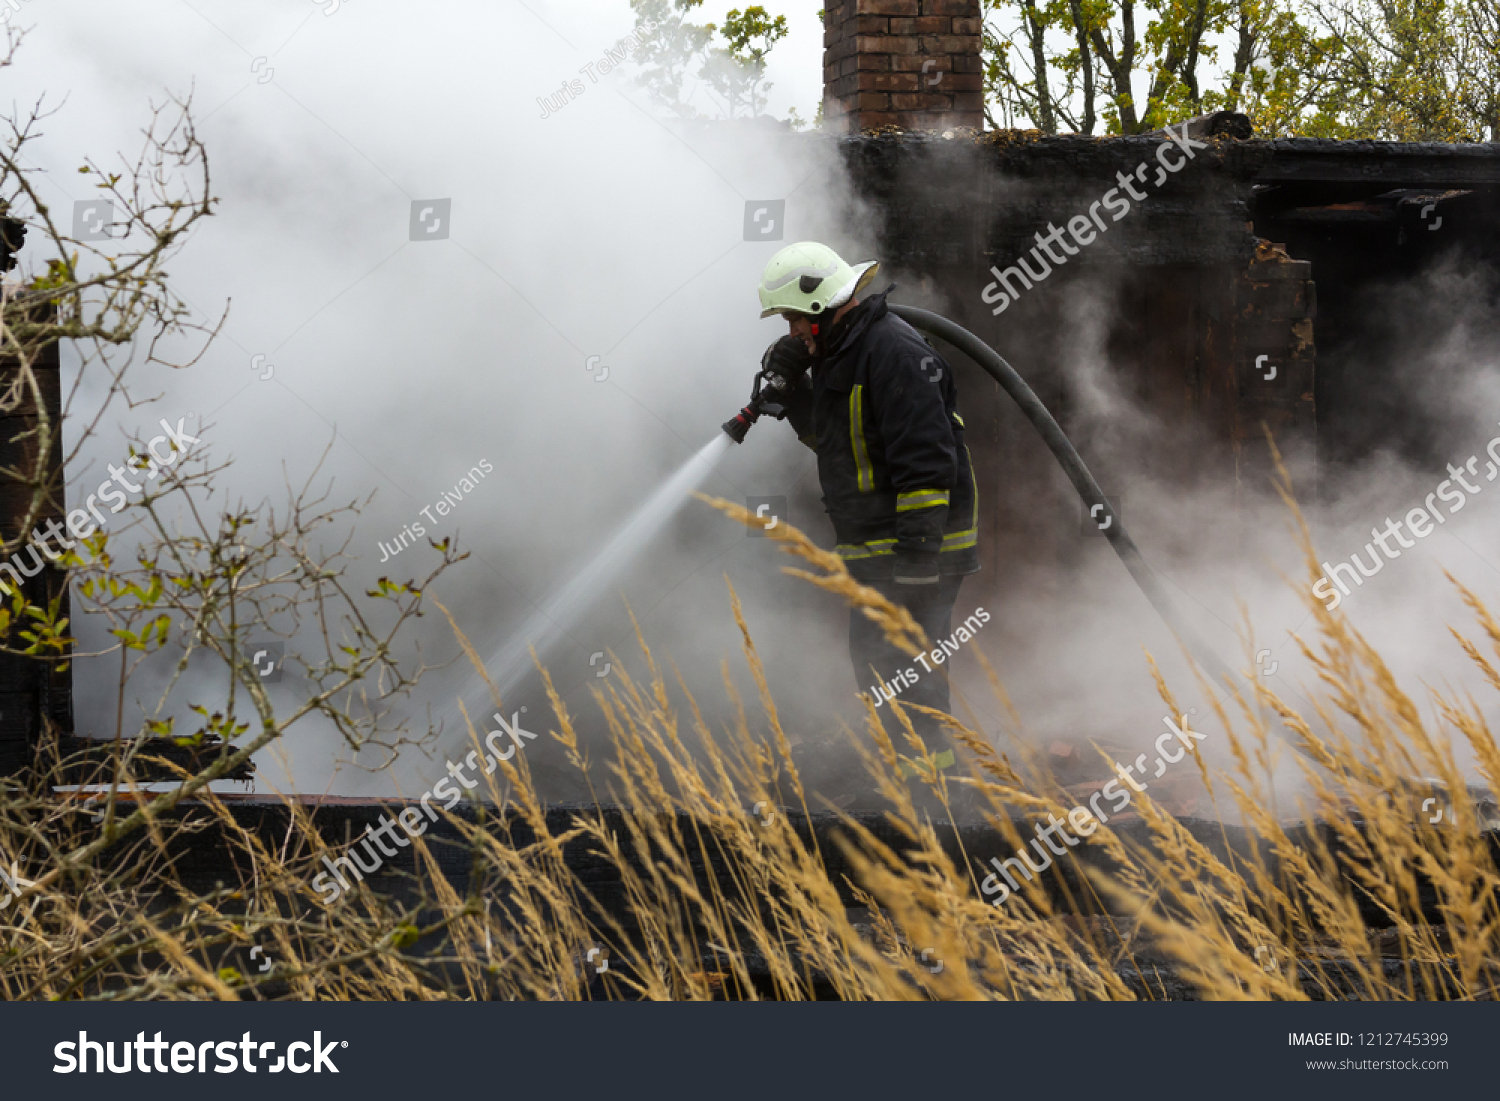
599 237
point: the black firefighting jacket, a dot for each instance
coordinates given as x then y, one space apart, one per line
881 410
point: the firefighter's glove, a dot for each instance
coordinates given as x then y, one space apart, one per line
915 570
786 362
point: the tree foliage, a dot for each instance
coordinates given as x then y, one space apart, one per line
184 571
680 59
1402 70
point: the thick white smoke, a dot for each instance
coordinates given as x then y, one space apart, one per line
581 325
583 320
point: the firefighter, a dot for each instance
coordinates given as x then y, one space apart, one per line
864 390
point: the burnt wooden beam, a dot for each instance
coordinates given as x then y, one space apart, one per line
36 695
1215 124
12 237
1403 164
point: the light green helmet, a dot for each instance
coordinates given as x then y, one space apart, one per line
809 278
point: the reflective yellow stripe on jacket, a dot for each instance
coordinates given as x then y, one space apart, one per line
866 550
864 476
969 537
915 499
921 498
956 540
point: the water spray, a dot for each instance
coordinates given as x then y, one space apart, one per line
551 622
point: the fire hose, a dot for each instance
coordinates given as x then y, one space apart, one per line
993 364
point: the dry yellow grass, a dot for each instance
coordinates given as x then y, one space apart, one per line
774 923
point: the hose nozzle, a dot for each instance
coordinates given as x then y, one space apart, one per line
738 426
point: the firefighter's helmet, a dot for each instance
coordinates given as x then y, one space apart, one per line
811 278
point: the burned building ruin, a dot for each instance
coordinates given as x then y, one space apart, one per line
1237 292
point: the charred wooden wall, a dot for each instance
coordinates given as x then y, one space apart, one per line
1380 223
1201 305
35 696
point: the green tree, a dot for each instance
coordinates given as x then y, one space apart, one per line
1405 70
1401 70
671 49
678 58
1072 64
737 71
1476 59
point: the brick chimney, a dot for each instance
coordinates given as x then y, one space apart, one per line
907 63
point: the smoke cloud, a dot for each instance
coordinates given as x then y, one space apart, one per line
427 276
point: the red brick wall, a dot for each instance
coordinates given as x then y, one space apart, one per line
907 63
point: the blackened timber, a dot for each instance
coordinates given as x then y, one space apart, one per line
36 697
1408 164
